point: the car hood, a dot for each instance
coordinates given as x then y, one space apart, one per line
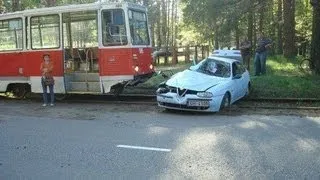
193 80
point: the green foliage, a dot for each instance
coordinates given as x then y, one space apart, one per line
189 35
285 80
303 21
212 15
219 19
203 21
275 86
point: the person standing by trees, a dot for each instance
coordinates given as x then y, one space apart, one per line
46 68
260 59
245 47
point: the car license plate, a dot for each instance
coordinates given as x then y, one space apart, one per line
198 103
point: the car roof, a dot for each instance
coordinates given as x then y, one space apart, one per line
226 53
227 50
228 60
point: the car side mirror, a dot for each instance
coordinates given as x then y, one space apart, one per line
192 68
237 76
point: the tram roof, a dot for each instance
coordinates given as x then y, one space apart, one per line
70 8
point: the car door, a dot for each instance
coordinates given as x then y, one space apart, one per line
243 79
238 80
235 83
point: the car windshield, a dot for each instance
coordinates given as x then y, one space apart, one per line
215 67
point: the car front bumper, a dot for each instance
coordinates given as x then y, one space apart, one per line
174 101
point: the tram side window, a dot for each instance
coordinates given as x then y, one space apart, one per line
45 32
80 29
11 36
114 28
138 28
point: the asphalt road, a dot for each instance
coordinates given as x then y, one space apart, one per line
85 141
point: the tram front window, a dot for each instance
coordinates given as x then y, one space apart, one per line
114 29
138 28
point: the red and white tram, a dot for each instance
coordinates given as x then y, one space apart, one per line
95 48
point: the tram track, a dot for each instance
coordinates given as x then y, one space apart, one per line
142 99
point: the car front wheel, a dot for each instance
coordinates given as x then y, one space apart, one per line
225 103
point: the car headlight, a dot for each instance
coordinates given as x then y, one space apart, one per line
205 94
162 90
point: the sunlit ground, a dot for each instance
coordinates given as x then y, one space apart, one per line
8 95
264 148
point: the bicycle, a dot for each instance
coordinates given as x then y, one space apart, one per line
306 66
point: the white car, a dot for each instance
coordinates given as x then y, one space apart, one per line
211 85
232 54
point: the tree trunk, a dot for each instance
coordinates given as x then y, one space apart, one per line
237 34
159 26
176 29
196 54
187 54
216 41
315 50
152 33
15 5
145 2
174 55
289 50
172 23
50 3
168 22
174 47
164 26
280 23
273 26
261 17
1 7
254 31
250 24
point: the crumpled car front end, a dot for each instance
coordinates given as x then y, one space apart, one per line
185 99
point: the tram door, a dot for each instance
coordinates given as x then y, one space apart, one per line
80 33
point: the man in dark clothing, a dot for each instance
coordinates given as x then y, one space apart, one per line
245 47
260 59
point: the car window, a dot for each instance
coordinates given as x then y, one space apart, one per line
214 67
237 68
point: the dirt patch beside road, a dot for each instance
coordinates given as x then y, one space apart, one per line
93 111
66 110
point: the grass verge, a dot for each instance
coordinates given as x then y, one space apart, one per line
284 79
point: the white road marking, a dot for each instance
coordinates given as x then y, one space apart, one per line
144 148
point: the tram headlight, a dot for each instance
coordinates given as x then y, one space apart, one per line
151 66
136 68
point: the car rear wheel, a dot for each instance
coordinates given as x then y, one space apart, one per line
225 103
